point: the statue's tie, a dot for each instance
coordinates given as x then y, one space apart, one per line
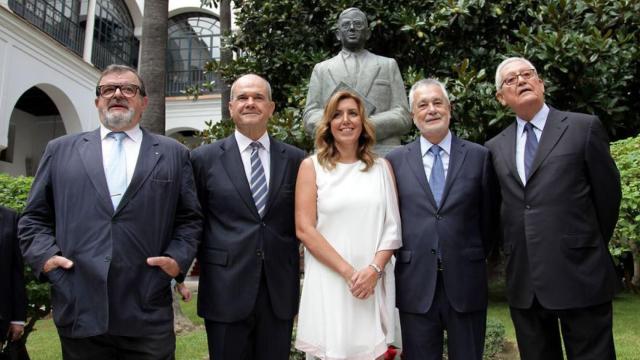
117 169
436 180
259 187
530 148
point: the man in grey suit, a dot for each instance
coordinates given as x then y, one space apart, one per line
445 190
249 256
111 218
375 78
560 198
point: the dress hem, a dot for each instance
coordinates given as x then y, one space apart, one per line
320 353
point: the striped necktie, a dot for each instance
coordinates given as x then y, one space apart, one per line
259 187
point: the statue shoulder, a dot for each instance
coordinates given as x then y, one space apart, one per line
325 64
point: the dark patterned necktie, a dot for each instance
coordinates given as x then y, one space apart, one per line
259 188
436 180
530 148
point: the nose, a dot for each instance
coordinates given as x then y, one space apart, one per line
118 93
431 108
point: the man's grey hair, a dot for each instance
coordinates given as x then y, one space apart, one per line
357 11
119 69
267 85
425 83
506 62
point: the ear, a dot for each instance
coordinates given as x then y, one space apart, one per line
96 101
338 35
272 108
145 102
500 98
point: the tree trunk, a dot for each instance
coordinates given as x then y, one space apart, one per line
152 66
226 55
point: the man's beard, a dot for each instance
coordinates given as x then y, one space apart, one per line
118 120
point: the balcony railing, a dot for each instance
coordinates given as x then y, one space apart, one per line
52 21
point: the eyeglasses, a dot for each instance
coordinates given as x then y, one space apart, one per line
512 79
357 24
109 91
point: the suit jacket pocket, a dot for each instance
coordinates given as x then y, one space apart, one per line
579 241
404 256
158 292
62 297
474 254
214 257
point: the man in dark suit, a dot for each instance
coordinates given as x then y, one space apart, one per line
112 217
249 280
13 300
445 194
560 198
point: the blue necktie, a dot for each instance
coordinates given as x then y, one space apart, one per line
436 180
117 169
259 187
530 148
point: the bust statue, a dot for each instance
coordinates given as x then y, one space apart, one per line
375 78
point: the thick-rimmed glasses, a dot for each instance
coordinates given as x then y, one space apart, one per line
512 79
109 91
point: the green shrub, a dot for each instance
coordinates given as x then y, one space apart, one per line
494 338
626 237
14 191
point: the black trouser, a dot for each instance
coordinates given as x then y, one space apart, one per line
261 336
422 334
113 347
586 332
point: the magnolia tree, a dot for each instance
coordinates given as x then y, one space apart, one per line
586 51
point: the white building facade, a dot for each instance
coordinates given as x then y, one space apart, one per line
49 68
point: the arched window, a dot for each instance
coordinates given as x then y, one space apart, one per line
194 39
58 18
113 39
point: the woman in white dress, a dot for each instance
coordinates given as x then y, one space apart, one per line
348 220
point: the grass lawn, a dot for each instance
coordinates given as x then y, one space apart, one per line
43 344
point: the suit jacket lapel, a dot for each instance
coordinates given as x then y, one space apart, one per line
456 159
508 150
232 163
369 71
149 155
277 171
90 151
414 158
553 130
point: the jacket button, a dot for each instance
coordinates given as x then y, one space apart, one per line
438 217
107 258
433 251
259 253
527 206
263 224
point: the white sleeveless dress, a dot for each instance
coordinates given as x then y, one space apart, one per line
358 215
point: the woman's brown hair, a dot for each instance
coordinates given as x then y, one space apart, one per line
327 151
